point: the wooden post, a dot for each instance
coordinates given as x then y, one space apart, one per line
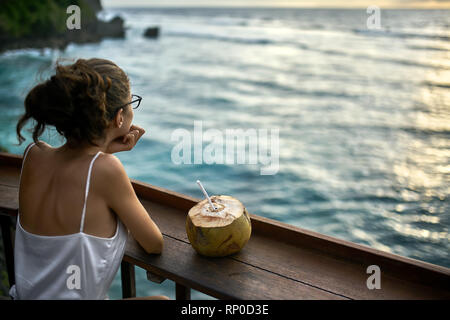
182 292
5 223
128 280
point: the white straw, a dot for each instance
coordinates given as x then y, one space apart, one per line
206 195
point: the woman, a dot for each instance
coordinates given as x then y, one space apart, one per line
76 202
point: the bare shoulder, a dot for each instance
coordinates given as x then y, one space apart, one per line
110 171
109 164
40 146
111 181
44 145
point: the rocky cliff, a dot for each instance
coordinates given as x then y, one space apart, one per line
43 23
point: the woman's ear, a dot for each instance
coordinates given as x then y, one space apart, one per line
118 119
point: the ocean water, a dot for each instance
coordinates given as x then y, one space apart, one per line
363 115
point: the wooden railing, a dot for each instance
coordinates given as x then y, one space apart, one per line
280 261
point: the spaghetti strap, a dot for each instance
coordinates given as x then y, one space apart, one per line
88 182
27 149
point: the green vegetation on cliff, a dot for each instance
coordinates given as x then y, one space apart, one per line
43 18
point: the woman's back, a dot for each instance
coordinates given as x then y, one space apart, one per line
52 192
54 262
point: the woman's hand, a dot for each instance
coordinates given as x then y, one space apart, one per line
126 142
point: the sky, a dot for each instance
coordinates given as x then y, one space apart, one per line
431 4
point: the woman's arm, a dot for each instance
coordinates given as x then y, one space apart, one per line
126 142
121 198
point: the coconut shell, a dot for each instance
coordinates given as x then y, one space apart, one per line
218 233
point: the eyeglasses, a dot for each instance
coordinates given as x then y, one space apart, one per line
135 102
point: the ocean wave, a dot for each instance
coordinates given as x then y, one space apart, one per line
426 132
374 198
292 89
404 62
404 35
303 46
436 84
428 48
366 57
387 128
36 53
204 36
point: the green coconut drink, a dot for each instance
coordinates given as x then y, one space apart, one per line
218 226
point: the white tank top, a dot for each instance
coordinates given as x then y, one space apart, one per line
73 266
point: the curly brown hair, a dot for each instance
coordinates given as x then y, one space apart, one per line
80 100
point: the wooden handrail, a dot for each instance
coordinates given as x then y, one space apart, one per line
292 262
